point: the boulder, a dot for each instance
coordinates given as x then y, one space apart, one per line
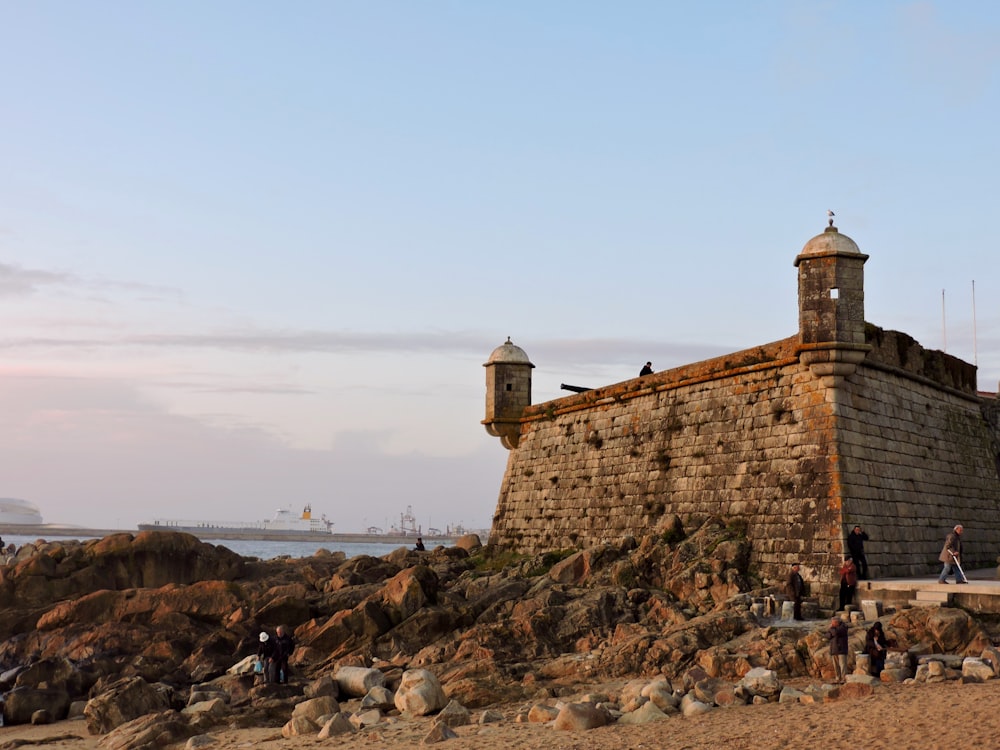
419 693
298 726
368 718
541 713
439 733
469 542
21 703
581 716
147 732
339 724
122 702
646 713
357 681
314 708
378 697
976 670
761 681
454 715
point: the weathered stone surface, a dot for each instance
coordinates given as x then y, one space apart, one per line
419 693
200 741
490 716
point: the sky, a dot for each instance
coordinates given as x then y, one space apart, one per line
253 255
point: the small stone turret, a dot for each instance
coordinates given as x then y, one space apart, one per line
831 304
508 392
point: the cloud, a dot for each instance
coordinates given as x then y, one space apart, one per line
563 351
16 281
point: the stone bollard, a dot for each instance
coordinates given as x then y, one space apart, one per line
872 609
856 617
862 663
788 610
757 610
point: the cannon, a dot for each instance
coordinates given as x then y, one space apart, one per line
574 388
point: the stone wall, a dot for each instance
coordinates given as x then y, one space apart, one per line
745 437
756 438
918 458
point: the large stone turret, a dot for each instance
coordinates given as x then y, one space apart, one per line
508 392
831 304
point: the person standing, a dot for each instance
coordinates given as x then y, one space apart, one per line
838 647
848 582
647 369
856 546
796 589
951 556
265 656
284 645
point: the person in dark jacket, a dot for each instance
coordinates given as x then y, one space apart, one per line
856 546
265 655
876 645
838 647
284 646
796 589
647 369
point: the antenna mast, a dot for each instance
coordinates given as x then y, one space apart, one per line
975 343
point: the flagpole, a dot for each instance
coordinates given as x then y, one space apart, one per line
944 327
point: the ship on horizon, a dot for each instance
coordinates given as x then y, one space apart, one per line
284 525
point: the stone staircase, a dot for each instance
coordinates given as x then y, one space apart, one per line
926 598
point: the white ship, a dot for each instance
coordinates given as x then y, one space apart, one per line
284 525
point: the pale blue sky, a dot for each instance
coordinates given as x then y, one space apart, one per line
254 254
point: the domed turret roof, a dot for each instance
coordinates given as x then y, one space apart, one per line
829 242
508 353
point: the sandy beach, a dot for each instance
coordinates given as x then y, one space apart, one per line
896 717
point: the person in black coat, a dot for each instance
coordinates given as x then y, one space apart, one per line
646 370
796 589
856 546
876 644
284 645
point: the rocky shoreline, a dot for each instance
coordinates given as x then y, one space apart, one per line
138 635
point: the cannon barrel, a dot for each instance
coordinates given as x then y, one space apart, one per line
574 388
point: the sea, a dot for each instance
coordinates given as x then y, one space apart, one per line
252 548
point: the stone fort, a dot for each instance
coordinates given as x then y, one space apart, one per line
798 440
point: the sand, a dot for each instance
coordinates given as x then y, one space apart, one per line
896 717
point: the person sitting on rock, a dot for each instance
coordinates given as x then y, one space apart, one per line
284 645
876 644
420 545
265 655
